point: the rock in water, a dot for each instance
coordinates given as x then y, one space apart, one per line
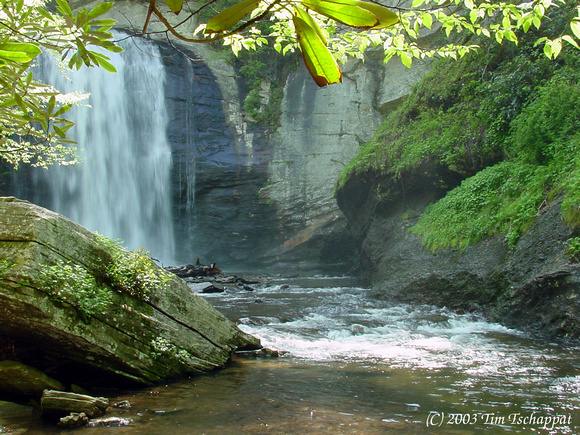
19 381
91 312
75 419
59 402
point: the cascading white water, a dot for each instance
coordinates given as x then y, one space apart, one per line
122 188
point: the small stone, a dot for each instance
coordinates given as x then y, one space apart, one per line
247 288
74 419
213 288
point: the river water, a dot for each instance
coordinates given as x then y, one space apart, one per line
356 365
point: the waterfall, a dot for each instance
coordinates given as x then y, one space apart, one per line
122 188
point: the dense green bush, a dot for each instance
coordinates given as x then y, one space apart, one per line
504 198
132 272
508 122
457 116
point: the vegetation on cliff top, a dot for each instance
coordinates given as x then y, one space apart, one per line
507 122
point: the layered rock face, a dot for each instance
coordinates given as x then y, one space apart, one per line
63 310
266 198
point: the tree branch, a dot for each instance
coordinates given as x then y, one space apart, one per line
153 9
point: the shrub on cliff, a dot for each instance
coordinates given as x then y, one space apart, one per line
542 164
507 122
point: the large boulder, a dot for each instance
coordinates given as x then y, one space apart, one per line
85 311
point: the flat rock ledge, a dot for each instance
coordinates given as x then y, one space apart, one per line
63 312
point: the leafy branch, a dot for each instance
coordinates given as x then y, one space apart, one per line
320 28
32 127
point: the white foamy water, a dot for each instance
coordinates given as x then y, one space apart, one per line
342 325
343 328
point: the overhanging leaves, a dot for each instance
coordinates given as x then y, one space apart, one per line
174 5
99 10
230 16
319 61
354 13
19 52
348 14
312 23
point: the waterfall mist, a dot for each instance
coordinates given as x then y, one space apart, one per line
122 188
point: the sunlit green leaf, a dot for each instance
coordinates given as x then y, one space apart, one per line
45 13
319 61
548 50
103 61
575 26
19 52
62 110
571 41
312 23
105 22
63 7
556 48
81 18
101 9
349 14
112 47
406 59
384 16
58 131
174 5
51 104
229 17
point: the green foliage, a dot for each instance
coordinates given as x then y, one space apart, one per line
444 121
311 25
259 110
543 163
73 284
32 127
165 349
507 122
546 125
132 272
5 267
501 199
573 250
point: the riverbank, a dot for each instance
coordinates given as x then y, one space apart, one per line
533 286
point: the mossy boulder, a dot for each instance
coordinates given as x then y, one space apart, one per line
85 311
19 381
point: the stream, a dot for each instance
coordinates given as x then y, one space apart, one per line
356 365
